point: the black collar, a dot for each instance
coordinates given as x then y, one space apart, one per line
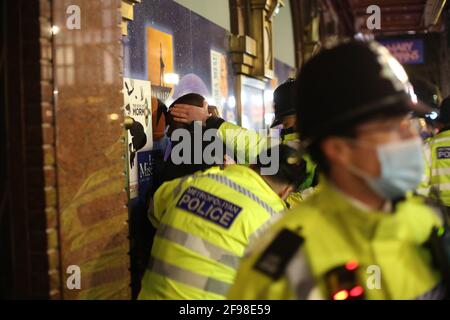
287 131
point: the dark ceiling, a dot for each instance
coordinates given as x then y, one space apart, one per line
397 16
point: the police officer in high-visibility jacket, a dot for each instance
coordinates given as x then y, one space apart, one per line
361 235
249 143
206 220
437 151
284 107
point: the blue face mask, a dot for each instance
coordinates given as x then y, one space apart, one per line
402 167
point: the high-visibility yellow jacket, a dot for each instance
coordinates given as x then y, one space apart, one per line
292 259
204 223
438 168
247 144
423 188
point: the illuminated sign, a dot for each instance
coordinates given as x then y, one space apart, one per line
406 51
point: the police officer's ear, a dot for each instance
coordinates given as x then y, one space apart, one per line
337 150
285 192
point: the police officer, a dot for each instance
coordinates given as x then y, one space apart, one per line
205 221
284 106
438 159
361 235
232 134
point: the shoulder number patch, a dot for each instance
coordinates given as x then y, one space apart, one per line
276 257
209 207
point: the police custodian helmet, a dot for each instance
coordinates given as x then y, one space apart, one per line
283 102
